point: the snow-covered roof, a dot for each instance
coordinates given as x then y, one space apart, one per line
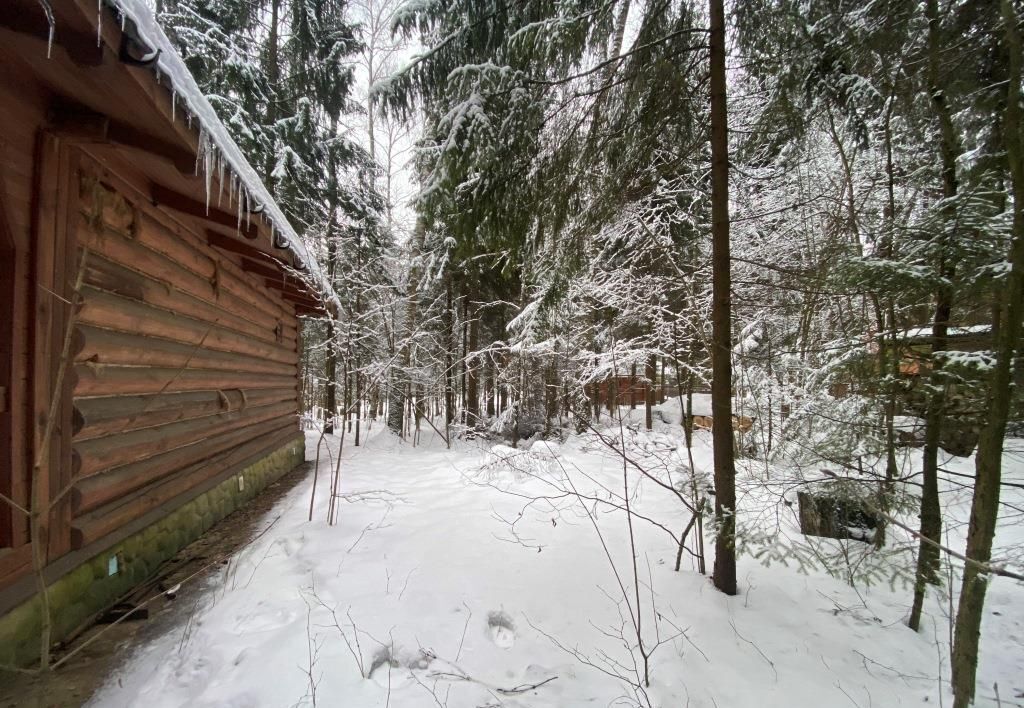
218 150
951 331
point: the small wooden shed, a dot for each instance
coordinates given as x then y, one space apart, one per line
149 296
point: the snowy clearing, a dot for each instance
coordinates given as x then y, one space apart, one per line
425 594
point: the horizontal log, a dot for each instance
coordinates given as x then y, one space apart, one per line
102 309
104 346
107 519
104 274
269 270
170 199
302 301
99 489
83 125
118 414
81 47
185 247
14 563
306 311
115 450
99 380
172 275
289 287
234 245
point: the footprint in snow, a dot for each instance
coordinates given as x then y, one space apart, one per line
501 629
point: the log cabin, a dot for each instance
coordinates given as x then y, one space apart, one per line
150 291
625 389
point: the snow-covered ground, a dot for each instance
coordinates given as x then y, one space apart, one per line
431 590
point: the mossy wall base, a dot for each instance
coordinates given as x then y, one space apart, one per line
89 588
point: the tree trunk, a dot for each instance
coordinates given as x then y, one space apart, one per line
931 513
608 73
464 359
331 407
721 314
652 378
492 386
449 375
472 372
346 421
661 387
395 405
274 78
358 405
419 411
632 387
332 347
888 346
988 460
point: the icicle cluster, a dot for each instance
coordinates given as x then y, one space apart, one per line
217 155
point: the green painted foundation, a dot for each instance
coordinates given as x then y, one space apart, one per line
90 588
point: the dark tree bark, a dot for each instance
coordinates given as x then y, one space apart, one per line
931 513
449 363
331 406
358 405
888 345
632 386
396 405
464 359
274 78
472 370
652 380
346 420
988 460
491 386
721 314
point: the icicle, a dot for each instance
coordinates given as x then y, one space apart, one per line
199 151
239 208
207 170
124 20
220 177
99 23
247 200
174 105
52 23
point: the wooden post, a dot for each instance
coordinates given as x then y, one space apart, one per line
55 259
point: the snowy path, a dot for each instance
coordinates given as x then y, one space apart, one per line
427 590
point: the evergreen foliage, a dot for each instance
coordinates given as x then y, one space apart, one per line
561 255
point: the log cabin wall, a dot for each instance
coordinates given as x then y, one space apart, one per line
185 364
182 365
24 106
182 359
7 284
